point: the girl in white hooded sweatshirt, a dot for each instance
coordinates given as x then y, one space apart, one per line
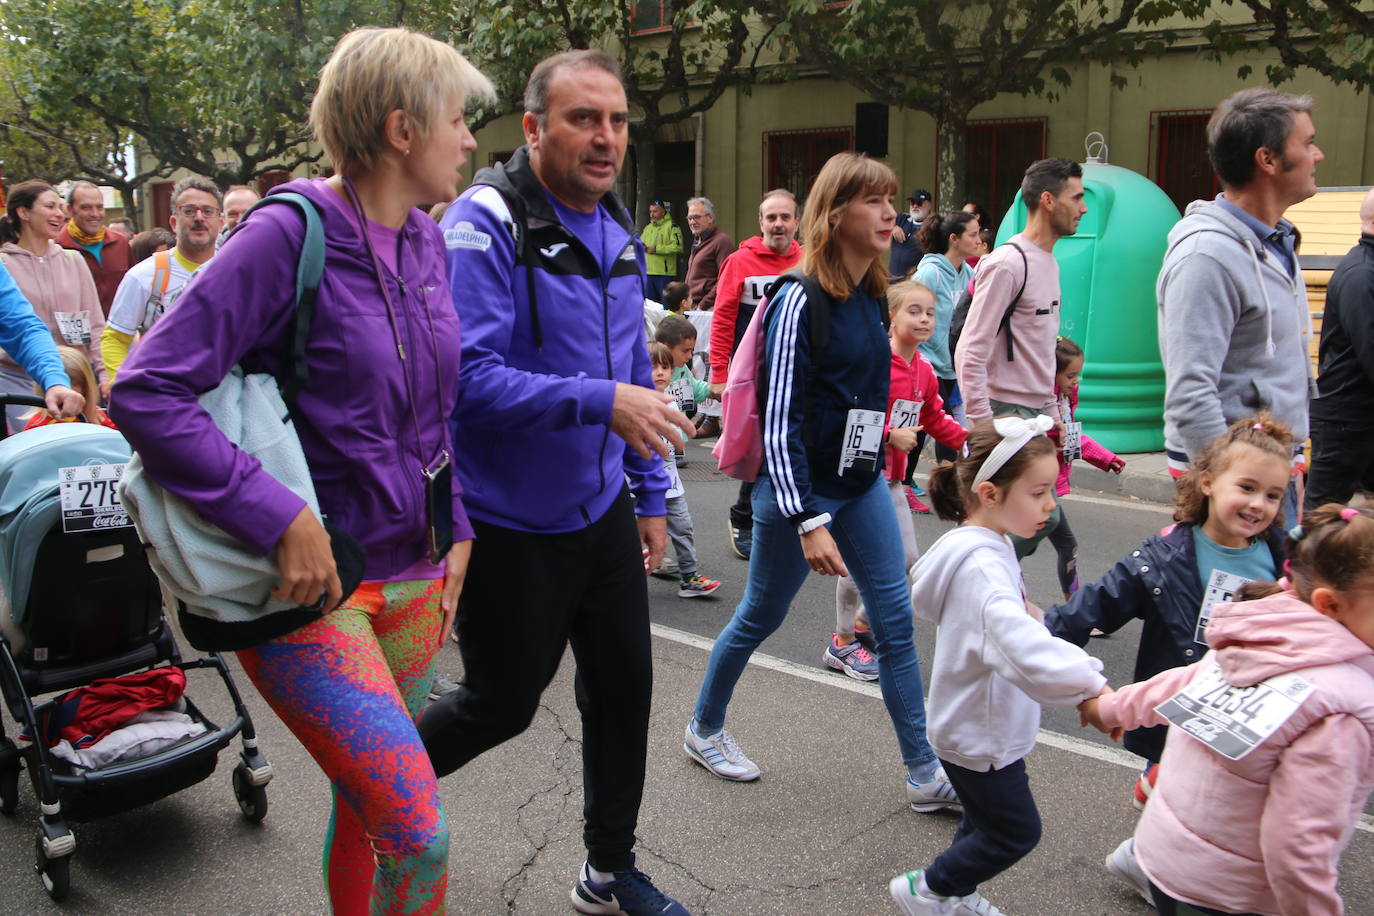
995 662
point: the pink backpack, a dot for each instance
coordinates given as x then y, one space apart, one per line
739 450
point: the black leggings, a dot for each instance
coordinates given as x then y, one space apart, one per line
1065 548
1168 906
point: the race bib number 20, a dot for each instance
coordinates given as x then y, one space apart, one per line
90 498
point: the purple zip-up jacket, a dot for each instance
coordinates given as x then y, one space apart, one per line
354 416
539 373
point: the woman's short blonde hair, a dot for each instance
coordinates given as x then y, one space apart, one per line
373 72
844 177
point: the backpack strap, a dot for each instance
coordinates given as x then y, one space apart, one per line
1005 323
157 290
818 305
294 371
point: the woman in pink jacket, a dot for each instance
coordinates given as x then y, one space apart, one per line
56 282
1271 759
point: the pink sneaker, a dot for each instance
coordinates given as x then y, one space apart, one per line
915 503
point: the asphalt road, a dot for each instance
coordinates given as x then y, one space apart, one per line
1107 528
820 834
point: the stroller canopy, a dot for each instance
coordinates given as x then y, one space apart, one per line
30 500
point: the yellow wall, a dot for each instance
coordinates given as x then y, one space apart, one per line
732 132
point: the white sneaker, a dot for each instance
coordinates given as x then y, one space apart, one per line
905 890
925 797
975 904
721 755
1123 864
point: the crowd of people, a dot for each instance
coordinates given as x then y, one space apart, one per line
457 349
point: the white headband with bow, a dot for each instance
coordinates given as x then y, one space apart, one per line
1015 433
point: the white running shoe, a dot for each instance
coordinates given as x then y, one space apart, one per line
925 797
910 892
905 890
721 755
1123 864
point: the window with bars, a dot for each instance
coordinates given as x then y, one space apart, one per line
1179 152
794 157
996 154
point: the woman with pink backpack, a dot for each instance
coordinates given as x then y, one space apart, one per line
820 502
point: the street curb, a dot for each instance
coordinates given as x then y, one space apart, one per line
1150 486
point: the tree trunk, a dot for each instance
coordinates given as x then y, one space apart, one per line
951 148
646 170
126 196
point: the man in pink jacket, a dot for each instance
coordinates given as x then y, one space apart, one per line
994 377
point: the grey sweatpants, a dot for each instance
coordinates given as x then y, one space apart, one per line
680 533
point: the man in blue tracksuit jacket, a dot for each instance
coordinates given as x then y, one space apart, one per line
557 437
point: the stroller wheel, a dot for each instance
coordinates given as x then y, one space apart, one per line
9 777
55 874
252 799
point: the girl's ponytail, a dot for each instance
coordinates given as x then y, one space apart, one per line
946 495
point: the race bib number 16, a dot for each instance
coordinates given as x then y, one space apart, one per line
90 498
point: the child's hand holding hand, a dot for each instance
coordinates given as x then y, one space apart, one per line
1088 714
903 438
1117 466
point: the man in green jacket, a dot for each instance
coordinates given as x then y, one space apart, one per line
662 244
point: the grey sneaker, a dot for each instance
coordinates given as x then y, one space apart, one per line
441 686
925 797
721 755
1123 864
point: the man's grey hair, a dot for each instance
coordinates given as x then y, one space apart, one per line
537 89
196 183
705 202
77 186
1250 120
780 192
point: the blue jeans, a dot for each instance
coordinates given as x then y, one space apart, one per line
865 530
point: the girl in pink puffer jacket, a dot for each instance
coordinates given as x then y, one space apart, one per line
1271 757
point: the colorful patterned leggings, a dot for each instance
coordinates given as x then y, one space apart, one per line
349 687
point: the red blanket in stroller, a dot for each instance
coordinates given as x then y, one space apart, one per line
85 715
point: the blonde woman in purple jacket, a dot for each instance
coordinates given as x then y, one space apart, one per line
372 418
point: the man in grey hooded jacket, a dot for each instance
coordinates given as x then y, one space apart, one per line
1234 323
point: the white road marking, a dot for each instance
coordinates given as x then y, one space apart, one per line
1057 740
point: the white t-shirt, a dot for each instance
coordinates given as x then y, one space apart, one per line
133 310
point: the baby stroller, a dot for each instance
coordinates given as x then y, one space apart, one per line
81 604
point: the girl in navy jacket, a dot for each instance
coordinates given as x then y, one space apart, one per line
1231 496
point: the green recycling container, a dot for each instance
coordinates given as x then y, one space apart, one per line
1107 273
